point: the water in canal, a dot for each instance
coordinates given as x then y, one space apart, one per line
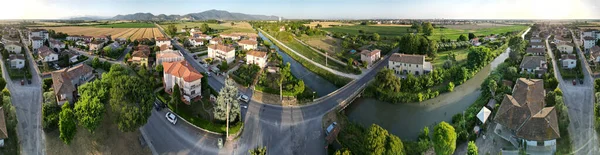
321 86
407 120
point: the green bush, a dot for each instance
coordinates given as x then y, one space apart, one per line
47 84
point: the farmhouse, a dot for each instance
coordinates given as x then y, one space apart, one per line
96 45
45 54
168 56
256 57
185 76
222 52
534 65
589 42
565 47
13 47
568 61
216 41
163 41
248 44
66 81
17 61
523 118
370 57
36 43
409 64
536 51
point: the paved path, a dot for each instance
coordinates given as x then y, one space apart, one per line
353 76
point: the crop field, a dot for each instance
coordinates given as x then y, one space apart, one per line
127 25
238 27
450 33
329 44
132 33
328 24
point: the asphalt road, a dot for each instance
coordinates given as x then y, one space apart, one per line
283 130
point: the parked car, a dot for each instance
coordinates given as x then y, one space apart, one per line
574 82
245 107
195 57
580 81
330 128
171 118
243 98
157 106
208 74
22 82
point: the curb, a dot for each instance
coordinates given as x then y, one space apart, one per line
211 132
148 142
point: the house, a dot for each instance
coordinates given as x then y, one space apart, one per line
568 61
205 37
475 42
193 30
409 64
196 41
537 45
222 52
3 131
535 40
589 33
141 56
41 33
216 41
256 57
115 46
185 76
589 42
74 37
168 56
565 47
252 38
45 54
96 45
231 36
66 81
163 41
196 34
102 38
595 53
17 61
8 39
81 43
535 51
370 57
559 39
56 44
523 117
87 38
534 65
248 44
36 43
13 47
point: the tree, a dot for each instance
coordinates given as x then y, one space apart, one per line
550 98
471 36
343 152
172 30
450 87
492 85
432 49
46 66
96 62
444 139
462 38
376 37
89 110
2 83
379 141
224 66
204 28
227 97
258 151
159 68
387 80
176 96
428 28
50 115
67 124
447 64
131 98
472 148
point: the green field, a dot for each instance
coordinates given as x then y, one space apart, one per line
461 56
227 28
127 25
393 31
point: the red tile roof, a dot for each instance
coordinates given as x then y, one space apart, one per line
182 69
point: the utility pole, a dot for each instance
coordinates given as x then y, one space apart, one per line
227 119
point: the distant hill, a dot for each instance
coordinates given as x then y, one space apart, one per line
206 15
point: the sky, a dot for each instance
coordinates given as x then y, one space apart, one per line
312 9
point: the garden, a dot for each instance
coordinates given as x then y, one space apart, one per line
245 74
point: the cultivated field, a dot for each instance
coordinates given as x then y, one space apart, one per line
132 33
238 27
475 26
328 24
127 25
329 44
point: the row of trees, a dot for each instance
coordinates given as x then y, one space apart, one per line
418 44
426 28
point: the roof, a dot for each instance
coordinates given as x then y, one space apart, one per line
141 53
13 43
36 38
248 42
524 112
257 53
590 30
558 37
164 47
3 131
589 38
535 50
16 56
221 47
97 42
532 61
168 54
595 49
161 39
56 42
408 58
568 56
565 43
217 39
535 38
61 79
370 53
182 69
537 43
44 51
143 47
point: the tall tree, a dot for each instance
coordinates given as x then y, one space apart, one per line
428 28
131 98
227 96
66 124
89 109
50 115
472 148
376 37
444 139
462 38
176 96
471 36
204 28
379 141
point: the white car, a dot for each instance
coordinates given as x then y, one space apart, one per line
245 107
171 118
244 98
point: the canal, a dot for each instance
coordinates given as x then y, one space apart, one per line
313 81
407 120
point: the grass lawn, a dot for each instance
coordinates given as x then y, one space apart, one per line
127 25
450 33
461 56
107 139
19 73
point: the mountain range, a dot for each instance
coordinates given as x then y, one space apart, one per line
205 15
